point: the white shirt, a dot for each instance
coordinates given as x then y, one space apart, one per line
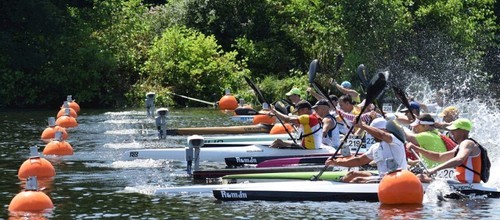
381 151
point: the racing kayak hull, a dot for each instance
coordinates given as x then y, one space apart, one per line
244 129
218 154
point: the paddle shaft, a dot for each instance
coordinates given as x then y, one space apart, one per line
320 90
341 145
259 93
198 100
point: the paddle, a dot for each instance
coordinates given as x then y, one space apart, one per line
375 87
198 100
259 94
361 71
313 67
401 96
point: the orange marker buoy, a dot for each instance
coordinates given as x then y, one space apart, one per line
49 133
62 112
264 119
30 200
36 166
58 147
66 121
279 129
73 104
228 102
400 187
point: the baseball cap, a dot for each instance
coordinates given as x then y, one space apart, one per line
302 104
413 105
448 110
321 102
461 123
346 84
423 119
293 91
379 123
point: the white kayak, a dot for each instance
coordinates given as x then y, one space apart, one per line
312 191
241 140
218 154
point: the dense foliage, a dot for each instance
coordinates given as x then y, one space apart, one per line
111 52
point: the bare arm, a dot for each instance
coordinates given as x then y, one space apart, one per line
434 156
410 137
375 132
314 94
349 162
465 149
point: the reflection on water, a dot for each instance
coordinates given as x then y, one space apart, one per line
95 183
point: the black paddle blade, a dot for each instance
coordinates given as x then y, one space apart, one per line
279 106
339 62
401 96
375 87
313 67
361 71
260 97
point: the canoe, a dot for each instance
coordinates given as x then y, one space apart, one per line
218 154
293 161
243 129
327 191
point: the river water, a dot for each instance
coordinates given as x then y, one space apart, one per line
95 183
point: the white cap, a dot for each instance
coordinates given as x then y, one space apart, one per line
379 123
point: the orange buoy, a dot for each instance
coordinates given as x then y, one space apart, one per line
58 147
279 129
30 200
228 102
62 112
50 132
264 119
400 187
36 166
66 121
72 104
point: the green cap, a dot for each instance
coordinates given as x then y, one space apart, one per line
293 91
461 123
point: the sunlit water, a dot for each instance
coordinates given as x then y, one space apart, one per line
95 183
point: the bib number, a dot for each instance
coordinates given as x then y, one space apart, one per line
369 141
446 174
353 143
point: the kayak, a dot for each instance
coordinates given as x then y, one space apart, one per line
243 129
241 140
326 191
218 154
284 176
217 173
243 118
292 161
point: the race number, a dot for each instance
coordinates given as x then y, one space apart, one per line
369 141
387 107
353 142
446 174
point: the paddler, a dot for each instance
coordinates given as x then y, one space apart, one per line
426 136
466 158
308 123
294 96
330 132
388 153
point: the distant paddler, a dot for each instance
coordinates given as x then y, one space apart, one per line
309 127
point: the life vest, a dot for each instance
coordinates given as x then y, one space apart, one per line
470 170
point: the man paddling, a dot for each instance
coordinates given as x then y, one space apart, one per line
466 158
330 132
388 153
309 124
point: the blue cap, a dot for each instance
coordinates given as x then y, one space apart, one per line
413 105
346 84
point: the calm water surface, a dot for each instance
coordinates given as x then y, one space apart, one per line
95 183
